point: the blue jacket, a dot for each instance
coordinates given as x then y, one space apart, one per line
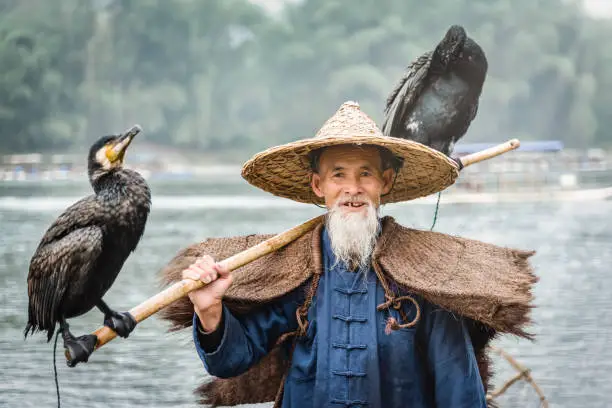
346 359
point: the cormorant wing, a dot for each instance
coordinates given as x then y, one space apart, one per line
68 248
464 125
54 266
83 213
402 98
474 110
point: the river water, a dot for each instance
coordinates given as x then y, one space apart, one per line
571 359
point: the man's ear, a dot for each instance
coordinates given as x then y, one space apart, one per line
388 176
315 183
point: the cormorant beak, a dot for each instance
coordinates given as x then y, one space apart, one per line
117 151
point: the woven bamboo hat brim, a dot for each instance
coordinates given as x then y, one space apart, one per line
285 170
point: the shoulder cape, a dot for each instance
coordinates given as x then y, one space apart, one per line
488 284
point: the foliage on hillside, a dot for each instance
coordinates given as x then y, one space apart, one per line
225 75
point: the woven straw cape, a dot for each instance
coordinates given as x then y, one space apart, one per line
285 170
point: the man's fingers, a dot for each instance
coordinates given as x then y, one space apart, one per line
222 269
206 270
190 274
205 260
197 273
197 269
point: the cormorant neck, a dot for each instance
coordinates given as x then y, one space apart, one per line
106 181
473 73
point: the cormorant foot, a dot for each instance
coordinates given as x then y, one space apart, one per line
122 323
458 161
78 349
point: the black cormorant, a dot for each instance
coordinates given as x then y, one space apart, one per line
83 251
437 98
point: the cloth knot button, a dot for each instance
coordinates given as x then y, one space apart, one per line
350 319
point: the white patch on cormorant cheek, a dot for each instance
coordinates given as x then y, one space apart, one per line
103 160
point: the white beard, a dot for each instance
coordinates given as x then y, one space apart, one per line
353 234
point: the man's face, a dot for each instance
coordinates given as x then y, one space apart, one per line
350 176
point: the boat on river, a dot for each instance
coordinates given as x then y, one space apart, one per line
535 172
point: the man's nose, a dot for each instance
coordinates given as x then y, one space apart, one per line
353 188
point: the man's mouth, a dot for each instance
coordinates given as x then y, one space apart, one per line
354 204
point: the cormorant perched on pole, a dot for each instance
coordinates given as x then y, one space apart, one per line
83 251
437 98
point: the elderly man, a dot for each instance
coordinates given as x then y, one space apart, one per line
361 312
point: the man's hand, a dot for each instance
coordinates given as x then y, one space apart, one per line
207 300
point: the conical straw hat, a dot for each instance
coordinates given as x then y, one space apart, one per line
285 170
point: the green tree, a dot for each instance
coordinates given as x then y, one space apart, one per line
42 64
226 76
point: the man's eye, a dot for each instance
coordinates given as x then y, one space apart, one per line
338 174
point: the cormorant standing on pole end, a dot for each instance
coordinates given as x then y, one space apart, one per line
437 98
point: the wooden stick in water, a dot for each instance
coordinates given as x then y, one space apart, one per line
523 372
180 289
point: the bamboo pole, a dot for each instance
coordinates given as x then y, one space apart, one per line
180 289
490 152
